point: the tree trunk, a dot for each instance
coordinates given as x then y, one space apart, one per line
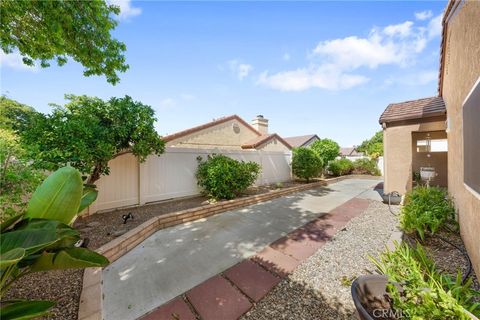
97 172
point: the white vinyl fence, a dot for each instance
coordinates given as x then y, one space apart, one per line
172 175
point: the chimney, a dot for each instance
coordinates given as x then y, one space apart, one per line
261 124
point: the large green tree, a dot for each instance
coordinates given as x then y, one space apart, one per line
327 150
373 147
55 30
88 132
18 178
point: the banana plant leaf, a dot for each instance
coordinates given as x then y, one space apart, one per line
30 240
7 224
22 310
58 197
88 197
11 257
66 235
69 259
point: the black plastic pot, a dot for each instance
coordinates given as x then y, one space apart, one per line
364 288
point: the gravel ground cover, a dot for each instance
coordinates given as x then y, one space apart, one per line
320 287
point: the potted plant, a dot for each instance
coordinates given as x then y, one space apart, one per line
411 287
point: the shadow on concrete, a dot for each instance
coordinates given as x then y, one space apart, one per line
174 260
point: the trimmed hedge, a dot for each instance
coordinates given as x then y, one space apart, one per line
340 167
222 177
366 166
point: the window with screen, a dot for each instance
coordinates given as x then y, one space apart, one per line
471 139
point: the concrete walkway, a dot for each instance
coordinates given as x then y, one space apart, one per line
174 260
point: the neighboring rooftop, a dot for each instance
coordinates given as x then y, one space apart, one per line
299 141
414 109
254 143
350 152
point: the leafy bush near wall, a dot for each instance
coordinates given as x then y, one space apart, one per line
366 166
306 164
340 167
425 293
222 177
425 210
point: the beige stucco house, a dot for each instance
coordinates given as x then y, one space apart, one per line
444 131
229 133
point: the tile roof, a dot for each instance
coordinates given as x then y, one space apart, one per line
299 141
350 151
208 125
414 109
254 143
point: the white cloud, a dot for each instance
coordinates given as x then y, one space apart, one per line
286 57
126 9
323 77
402 30
334 63
435 26
14 60
423 15
240 70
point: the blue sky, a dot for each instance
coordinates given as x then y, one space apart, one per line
328 68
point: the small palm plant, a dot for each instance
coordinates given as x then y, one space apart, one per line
42 239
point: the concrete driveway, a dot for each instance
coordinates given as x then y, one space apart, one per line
177 259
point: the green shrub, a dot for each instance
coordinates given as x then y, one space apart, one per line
306 164
340 167
326 149
425 293
222 177
425 210
366 166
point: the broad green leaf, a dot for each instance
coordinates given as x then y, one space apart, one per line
10 222
11 257
30 240
88 197
66 235
69 259
22 310
58 197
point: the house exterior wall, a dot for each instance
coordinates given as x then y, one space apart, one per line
461 71
273 145
398 157
221 136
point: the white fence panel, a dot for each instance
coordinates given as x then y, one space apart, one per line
172 175
120 187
